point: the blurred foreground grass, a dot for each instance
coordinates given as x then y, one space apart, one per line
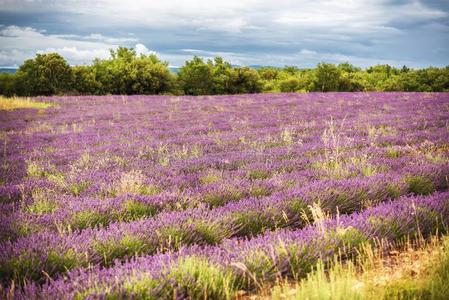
408 271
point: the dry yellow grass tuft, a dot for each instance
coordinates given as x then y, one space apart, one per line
16 103
408 271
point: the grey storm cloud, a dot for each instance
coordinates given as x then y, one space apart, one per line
247 32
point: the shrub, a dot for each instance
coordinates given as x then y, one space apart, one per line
112 249
250 223
133 183
88 218
221 197
258 174
211 233
259 191
420 185
393 190
32 267
134 210
42 206
77 188
196 278
210 177
349 237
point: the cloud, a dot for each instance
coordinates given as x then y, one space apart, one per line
15 37
109 40
306 55
78 55
242 30
239 15
19 32
307 52
142 49
98 37
20 43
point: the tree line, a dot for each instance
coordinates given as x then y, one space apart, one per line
126 72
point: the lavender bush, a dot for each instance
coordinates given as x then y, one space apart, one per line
125 196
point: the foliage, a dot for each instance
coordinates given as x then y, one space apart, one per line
199 279
327 78
415 272
420 185
7 84
126 72
47 74
244 80
83 80
195 77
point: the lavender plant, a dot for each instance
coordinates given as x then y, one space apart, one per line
202 197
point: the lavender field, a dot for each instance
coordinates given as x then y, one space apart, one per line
162 197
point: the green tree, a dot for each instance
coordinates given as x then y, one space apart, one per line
195 77
83 80
221 75
149 75
386 69
290 84
348 68
382 77
268 73
127 73
348 81
327 77
291 70
433 79
393 83
46 74
7 84
245 80
114 73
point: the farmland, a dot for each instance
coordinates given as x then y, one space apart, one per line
161 197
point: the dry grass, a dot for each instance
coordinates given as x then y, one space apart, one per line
16 103
409 271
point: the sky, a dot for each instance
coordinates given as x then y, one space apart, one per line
245 32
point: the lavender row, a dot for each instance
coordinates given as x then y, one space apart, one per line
167 231
220 271
134 131
50 211
82 181
257 161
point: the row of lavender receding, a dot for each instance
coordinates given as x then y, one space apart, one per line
49 253
218 272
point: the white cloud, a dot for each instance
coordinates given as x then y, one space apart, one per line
20 43
142 49
110 40
12 37
235 16
242 31
307 52
16 32
78 55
